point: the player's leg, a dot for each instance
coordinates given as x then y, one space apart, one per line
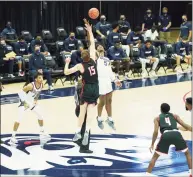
83 110
90 113
181 145
21 110
162 148
152 163
40 118
108 107
100 106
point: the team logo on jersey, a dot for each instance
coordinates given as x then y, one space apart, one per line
122 155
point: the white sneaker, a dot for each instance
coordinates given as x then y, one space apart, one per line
44 135
13 141
51 88
144 75
189 69
153 74
178 70
11 75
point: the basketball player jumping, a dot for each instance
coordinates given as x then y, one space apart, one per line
28 100
90 88
170 136
105 77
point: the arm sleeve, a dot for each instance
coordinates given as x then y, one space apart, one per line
66 46
111 55
129 39
189 26
109 40
142 53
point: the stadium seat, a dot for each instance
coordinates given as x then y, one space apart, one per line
81 35
61 34
49 41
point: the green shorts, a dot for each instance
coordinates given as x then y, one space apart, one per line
171 138
89 94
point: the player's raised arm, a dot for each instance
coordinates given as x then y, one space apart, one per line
88 28
183 124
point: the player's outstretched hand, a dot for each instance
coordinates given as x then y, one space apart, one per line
151 148
67 60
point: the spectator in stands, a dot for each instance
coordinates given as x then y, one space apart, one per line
153 35
102 29
39 42
114 36
76 58
37 64
9 34
148 21
116 53
135 37
185 30
165 23
124 26
21 50
182 52
71 43
5 49
147 55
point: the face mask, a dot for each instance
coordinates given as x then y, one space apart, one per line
21 43
9 26
123 18
72 37
183 20
103 19
148 13
165 13
117 46
37 52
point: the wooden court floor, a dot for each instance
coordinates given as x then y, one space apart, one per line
133 111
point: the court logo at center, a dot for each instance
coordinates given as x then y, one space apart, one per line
113 155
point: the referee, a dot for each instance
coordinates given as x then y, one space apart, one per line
83 149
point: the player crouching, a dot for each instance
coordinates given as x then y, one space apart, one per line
28 100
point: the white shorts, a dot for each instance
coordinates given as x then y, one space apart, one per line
105 86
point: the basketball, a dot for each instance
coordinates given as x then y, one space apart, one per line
93 13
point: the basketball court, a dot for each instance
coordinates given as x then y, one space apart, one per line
121 153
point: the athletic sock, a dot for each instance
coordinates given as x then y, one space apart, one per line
87 128
99 118
190 171
78 130
14 133
41 128
110 118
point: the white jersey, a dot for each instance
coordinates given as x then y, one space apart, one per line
33 95
105 75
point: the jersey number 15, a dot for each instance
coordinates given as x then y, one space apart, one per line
92 70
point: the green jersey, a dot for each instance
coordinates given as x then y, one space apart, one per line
167 122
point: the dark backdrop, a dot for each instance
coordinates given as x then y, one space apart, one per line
69 14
